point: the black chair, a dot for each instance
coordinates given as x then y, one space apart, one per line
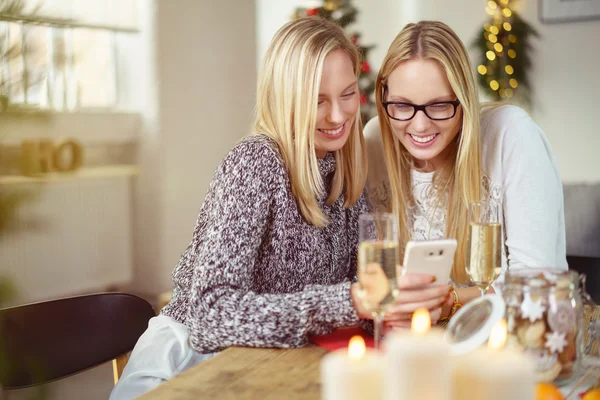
48 341
590 266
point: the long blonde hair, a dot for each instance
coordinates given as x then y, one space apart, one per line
286 110
460 178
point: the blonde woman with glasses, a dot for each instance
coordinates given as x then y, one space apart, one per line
433 149
274 252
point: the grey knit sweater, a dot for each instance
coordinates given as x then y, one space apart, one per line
257 273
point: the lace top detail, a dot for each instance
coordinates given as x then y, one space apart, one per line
428 217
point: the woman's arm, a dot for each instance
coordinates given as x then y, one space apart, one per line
532 195
223 311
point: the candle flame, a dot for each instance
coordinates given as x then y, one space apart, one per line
356 348
498 336
421 322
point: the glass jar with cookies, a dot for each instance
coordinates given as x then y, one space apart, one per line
544 314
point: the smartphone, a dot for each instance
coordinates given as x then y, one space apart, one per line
434 257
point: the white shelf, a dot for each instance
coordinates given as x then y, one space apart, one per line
111 171
87 127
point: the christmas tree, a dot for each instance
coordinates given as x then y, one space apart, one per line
343 13
505 53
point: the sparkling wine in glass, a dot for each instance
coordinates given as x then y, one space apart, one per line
377 265
484 241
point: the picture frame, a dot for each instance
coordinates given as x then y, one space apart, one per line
559 11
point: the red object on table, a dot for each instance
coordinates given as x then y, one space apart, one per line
339 339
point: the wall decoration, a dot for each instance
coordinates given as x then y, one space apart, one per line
555 11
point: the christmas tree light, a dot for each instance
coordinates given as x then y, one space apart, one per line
505 49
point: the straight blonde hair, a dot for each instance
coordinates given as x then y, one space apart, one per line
286 111
460 178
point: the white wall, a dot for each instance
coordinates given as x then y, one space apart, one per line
565 74
200 102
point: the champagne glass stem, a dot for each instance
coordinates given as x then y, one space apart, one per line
378 327
482 291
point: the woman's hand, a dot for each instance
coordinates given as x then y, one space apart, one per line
435 314
416 291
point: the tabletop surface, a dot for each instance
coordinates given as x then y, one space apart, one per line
250 373
247 373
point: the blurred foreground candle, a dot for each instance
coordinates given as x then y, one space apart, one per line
495 373
353 374
418 364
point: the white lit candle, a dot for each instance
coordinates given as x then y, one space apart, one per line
494 373
352 374
418 364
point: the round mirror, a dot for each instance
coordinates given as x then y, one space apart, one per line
470 327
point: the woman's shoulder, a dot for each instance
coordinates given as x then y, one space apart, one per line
377 188
508 124
372 134
374 144
255 150
254 158
256 144
510 134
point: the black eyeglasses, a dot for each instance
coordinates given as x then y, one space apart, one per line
439 111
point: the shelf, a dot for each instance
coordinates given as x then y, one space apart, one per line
110 171
89 128
63 23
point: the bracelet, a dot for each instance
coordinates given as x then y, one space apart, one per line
457 304
455 307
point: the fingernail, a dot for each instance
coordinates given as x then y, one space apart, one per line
433 279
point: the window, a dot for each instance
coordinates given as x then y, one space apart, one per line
62 55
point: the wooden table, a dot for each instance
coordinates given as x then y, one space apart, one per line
245 373
263 374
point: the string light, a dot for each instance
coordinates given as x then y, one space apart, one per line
499 68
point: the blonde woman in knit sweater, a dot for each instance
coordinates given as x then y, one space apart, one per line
273 255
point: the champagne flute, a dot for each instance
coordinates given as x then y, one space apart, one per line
377 265
484 253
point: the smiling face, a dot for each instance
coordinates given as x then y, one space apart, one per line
423 81
338 103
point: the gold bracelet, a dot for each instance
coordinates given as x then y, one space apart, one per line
456 305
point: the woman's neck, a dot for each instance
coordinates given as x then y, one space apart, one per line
436 162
